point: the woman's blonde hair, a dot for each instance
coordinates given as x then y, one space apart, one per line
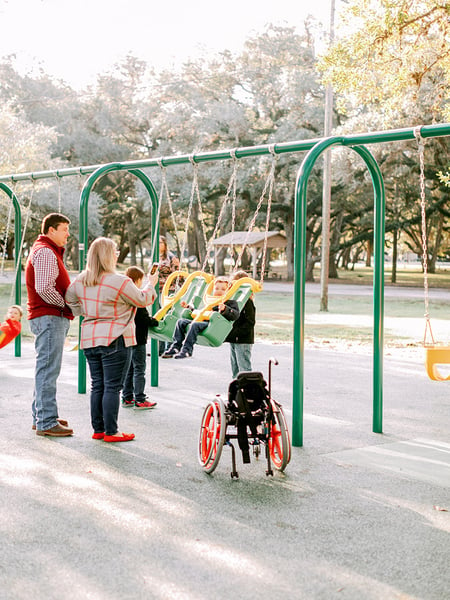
101 259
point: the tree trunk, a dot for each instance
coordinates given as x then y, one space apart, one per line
199 235
437 245
310 259
219 262
131 238
334 244
369 250
310 263
72 251
141 252
289 229
394 255
245 261
345 258
10 247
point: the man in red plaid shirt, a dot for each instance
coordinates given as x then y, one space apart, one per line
47 280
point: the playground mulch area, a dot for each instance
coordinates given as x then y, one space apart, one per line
355 515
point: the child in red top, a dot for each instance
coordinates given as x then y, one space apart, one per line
12 325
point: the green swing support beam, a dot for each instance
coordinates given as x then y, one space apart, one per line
314 147
17 257
83 245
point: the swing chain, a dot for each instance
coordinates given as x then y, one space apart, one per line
233 204
269 206
164 192
202 220
267 186
58 179
231 189
22 240
191 202
421 149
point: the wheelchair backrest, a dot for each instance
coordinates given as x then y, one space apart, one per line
248 392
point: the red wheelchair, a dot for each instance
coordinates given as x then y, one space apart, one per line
252 417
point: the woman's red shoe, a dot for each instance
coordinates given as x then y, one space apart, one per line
119 437
98 436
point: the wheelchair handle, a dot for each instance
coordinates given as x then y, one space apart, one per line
274 361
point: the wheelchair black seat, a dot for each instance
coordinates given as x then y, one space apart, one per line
248 394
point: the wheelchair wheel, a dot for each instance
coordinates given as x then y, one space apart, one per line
212 435
279 440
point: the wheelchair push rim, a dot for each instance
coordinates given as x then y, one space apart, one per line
212 435
279 441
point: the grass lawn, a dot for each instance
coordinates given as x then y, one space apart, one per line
274 318
411 276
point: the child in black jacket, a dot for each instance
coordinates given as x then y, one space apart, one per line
242 336
133 393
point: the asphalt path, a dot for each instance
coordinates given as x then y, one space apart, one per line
356 515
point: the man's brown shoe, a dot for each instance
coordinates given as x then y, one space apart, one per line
62 422
56 431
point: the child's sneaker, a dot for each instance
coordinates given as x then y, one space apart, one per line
144 405
128 403
183 354
170 352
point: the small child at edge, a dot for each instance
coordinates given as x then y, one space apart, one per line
12 325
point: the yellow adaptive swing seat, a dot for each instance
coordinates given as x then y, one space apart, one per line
197 291
436 355
171 310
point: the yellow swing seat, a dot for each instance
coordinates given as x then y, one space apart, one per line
436 355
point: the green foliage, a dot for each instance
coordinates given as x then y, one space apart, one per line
392 53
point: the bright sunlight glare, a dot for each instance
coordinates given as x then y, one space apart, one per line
75 41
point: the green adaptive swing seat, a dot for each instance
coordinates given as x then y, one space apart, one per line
191 292
219 327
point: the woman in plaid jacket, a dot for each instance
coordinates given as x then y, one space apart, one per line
107 300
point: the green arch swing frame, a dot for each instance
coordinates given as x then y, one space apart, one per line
300 279
83 245
18 272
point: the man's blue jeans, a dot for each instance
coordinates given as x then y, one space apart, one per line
50 333
134 386
108 366
241 358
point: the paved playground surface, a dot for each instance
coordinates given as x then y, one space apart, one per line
356 515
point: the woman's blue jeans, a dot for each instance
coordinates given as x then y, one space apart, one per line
108 366
50 334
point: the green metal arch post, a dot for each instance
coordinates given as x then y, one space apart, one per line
17 269
83 245
300 274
